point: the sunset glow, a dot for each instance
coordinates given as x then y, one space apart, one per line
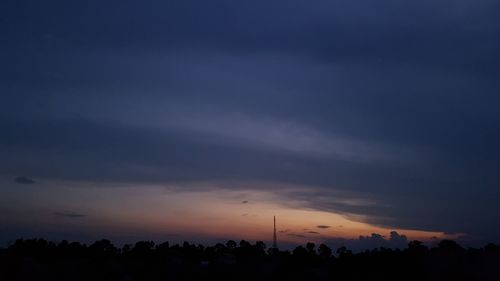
365 123
168 213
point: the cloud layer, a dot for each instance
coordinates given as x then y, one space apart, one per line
385 112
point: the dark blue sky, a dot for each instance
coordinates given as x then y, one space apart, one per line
392 102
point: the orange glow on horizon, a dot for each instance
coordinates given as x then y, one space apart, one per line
243 215
165 213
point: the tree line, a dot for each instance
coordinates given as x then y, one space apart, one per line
38 259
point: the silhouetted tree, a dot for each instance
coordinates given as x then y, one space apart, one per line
324 251
344 252
231 244
260 245
311 247
103 246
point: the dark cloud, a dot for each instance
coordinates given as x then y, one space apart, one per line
313 232
24 180
69 215
323 226
328 30
244 202
249 215
296 235
375 240
398 240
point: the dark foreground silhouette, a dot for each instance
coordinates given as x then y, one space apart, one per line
38 259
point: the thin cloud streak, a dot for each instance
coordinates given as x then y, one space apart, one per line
69 215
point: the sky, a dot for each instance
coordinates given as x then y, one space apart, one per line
354 122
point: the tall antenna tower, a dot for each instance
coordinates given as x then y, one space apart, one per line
275 242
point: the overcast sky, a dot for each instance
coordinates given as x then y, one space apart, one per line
383 112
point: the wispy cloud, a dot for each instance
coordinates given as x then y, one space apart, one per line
296 235
24 180
69 215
